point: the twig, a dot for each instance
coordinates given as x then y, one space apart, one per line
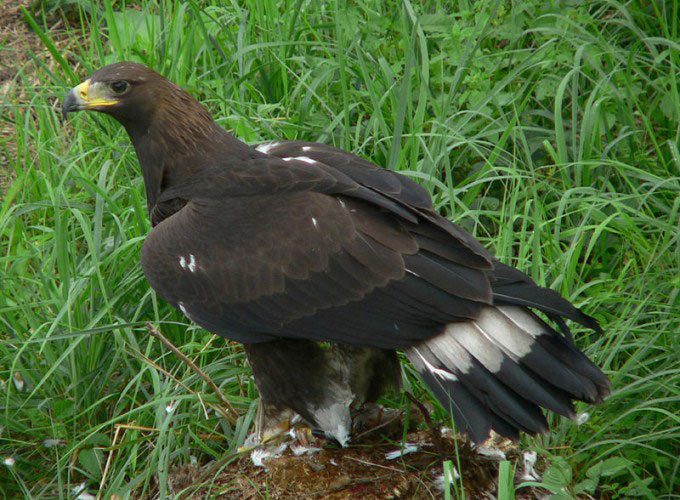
209 472
108 461
347 484
436 436
365 462
381 425
234 414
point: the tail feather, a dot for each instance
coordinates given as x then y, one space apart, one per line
511 286
497 371
551 356
466 409
478 367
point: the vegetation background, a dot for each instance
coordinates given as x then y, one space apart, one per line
550 130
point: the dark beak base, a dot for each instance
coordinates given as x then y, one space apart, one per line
70 103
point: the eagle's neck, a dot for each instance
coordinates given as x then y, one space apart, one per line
179 144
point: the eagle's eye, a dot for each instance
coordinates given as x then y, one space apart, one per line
120 87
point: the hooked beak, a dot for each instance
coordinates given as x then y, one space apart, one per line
85 96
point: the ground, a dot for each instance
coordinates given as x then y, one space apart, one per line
364 470
21 53
17 42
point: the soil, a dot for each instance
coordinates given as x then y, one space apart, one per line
21 53
361 471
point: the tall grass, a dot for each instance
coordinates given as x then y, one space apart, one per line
550 131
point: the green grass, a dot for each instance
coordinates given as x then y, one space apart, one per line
549 130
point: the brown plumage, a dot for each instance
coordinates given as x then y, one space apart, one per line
288 243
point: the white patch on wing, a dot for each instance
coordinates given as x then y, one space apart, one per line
523 320
314 221
473 336
306 159
192 263
342 204
443 374
449 351
266 147
306 148
182 262
411 272
510 328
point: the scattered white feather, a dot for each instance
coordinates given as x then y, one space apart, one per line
259 455
529 460
333 462
446 431
491 452
9 461
182 262
440 481
408 448
170 407
315 222
81 494
51 443
250 442
18 381
303 450
192 263
582 418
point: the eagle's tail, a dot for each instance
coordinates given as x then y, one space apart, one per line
495 372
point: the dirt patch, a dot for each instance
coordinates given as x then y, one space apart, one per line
364 470
19 74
